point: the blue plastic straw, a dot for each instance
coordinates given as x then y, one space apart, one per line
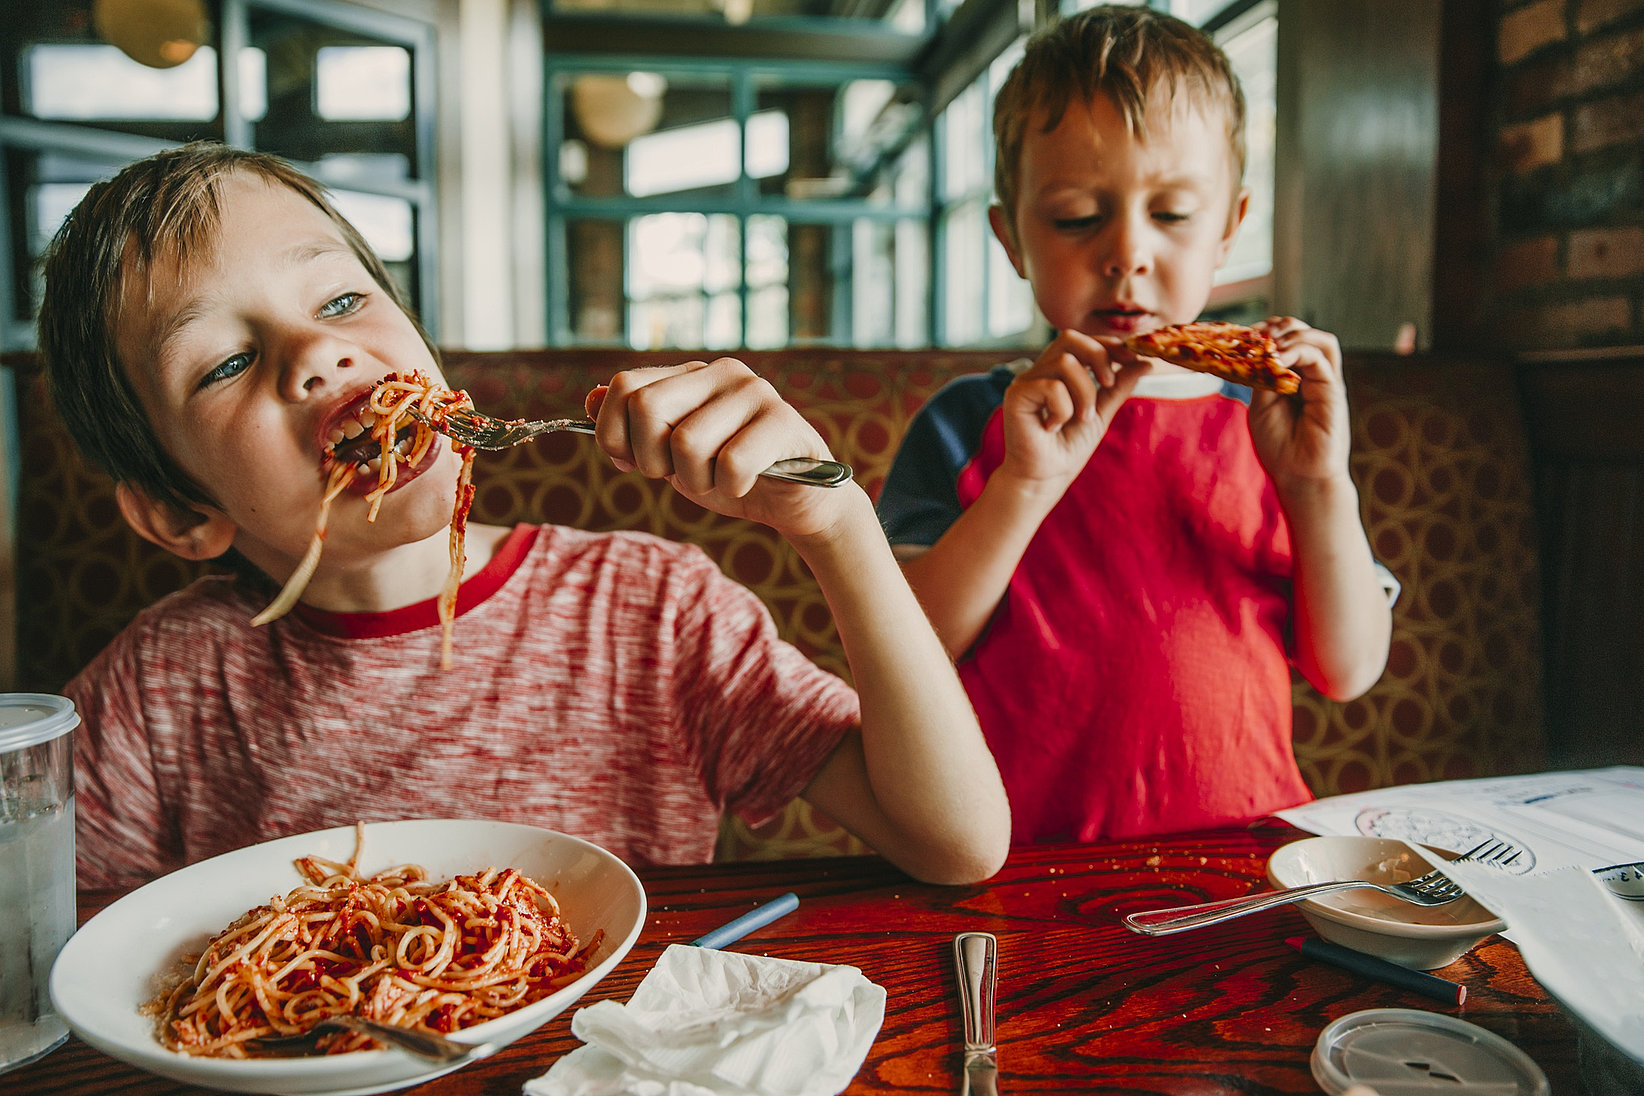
756 918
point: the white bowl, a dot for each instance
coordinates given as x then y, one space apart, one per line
108 969
1422 937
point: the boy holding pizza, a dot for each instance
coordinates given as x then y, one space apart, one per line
1125 556
213 330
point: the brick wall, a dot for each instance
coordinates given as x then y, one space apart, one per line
1566 268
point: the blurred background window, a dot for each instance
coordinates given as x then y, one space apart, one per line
342 90
726 203
704 173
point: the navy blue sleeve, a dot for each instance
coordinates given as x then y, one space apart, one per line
921 498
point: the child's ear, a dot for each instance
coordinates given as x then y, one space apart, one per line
187 533
1006 235
1235 218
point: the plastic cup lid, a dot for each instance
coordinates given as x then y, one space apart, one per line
1411 1052
27 719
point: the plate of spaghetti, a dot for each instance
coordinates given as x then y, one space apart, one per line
480 931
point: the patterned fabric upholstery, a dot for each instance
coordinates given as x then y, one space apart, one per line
1442 463
1439 456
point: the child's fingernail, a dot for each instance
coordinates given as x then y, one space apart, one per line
624 466
595 400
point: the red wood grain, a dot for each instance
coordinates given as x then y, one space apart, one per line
1084 1005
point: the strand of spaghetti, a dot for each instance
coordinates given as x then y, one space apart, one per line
341 476
453 579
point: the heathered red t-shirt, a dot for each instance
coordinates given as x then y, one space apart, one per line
613 686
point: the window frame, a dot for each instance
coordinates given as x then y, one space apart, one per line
230 33
814 61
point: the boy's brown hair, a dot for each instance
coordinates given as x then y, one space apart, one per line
163 203
1124 53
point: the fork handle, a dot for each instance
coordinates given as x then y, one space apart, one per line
806 470
809 471
1181 918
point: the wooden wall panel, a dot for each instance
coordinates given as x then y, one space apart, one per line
1585 416
1357 157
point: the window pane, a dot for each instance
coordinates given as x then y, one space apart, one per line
767 251
964 237
684 281
83 83
592 280
354 83
905 16
688 158
965 128
1253 50
768 318
643 133
768 303
388 224
834 137
1010 297
45 187
890 283
328 91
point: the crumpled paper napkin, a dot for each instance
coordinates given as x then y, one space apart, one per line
719 1023
1582 943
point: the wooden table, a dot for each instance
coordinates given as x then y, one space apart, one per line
1084 1004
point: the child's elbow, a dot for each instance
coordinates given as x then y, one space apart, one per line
1350 685
963 858
963 871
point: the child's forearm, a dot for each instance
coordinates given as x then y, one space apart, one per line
928 795
1343 623
962 577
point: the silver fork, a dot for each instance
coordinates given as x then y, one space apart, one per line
482 431
1432 889
424 1044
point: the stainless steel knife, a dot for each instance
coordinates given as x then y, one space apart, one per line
976 961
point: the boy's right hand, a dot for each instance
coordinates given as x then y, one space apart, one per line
1057 411
709 429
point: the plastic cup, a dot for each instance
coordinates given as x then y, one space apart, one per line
36 867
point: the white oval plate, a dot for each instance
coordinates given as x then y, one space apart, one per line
109 968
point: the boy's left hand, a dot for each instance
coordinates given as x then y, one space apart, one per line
709 429
1305 436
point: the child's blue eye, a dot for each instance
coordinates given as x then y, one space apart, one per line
233 367
343 305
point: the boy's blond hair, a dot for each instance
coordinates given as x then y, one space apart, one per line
1125 53
165 203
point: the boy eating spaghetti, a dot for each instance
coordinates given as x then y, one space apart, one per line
213 330
1127 557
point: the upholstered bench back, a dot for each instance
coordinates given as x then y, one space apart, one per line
1439 454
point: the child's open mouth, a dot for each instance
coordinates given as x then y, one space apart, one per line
352 442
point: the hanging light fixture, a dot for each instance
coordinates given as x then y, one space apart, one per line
613 108
157 33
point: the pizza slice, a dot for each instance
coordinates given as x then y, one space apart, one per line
1230 351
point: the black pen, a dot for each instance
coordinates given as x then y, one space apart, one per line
1381 970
